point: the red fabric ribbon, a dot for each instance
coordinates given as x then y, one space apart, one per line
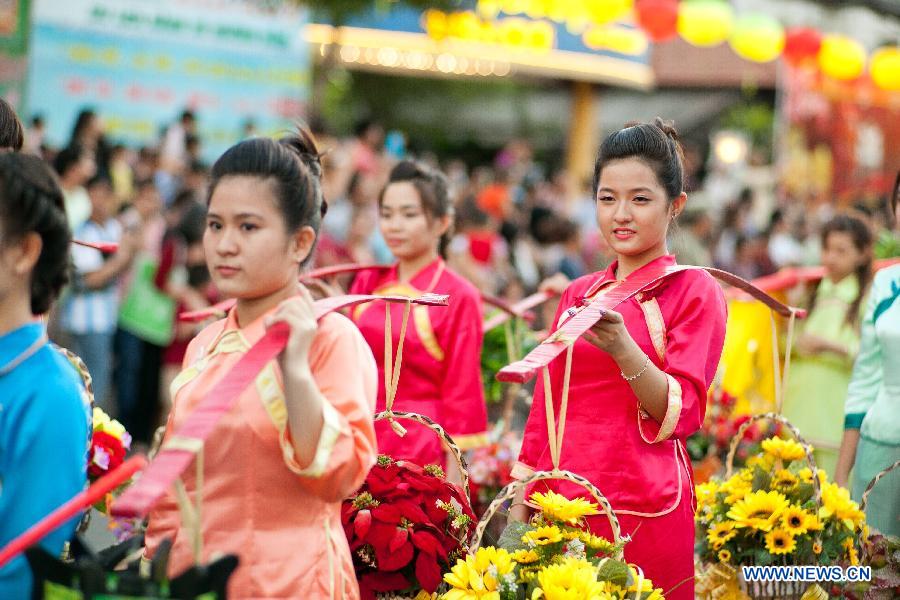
170 463
523 370
85 499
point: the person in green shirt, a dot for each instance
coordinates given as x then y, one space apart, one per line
871 440
828 340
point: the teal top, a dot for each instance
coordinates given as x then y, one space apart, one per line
873 398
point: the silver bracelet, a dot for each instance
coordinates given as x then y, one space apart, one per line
639 373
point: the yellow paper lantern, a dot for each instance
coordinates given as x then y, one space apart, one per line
841 57
705 22
885 68
601 12
759 38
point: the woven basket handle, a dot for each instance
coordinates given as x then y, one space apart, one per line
441 433
865 499
509 492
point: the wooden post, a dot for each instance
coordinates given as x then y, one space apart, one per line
584 133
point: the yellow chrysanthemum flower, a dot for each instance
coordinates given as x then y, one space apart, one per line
596 543
720 533
759 510
706 494
477 577
572 578
785 450
796 521
805 475
779 541
836 503
784 480
543 536
850 547
557 507
736 488
724 556
525 557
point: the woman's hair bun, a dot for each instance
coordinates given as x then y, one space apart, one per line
667 127
303 144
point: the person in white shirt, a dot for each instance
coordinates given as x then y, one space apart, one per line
75 165
90 310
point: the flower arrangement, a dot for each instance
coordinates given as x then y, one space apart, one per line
766 513
406 526
554 556
719 428
109 444
490 467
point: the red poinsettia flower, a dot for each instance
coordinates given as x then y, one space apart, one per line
405 527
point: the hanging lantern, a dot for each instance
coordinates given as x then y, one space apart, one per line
601 12
705 23
759 38
658 18
841 57
885 68
801 45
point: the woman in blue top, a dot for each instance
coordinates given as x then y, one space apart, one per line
871 440
44 417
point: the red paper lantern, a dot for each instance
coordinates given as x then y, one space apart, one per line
801 44
658 18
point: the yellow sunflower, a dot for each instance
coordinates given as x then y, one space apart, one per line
478 576
759 510
720 533
706 494
724 556
785 450
805 475
795 520
543 536
764 461
836 503
779 541
572 578
736 488
784 480
556 507
596 543
524 557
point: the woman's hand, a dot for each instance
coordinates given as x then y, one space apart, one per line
610 335
299 314
555 285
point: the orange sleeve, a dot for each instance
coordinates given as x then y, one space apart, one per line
345 372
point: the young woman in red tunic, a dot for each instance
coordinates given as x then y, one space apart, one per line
640 377
441 372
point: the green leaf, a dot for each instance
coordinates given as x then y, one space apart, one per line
511 538
762 557
804 492
615 571
761 479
